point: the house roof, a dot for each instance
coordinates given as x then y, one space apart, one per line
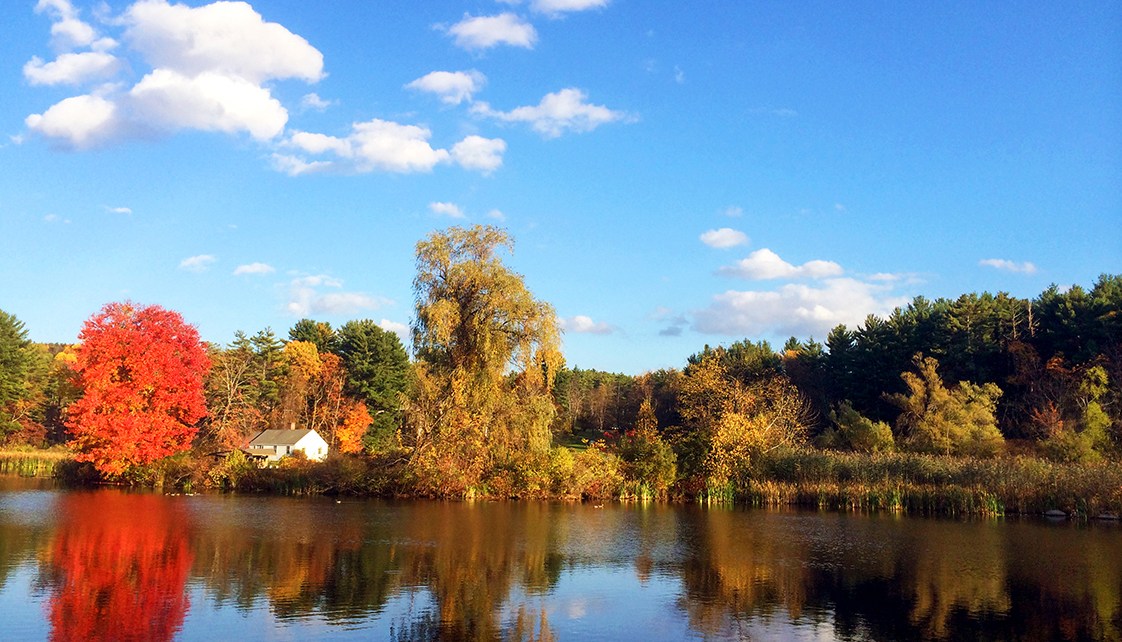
279 437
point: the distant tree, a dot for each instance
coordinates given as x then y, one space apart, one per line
24 367
958 420
729 424
141 370
378 373
317 333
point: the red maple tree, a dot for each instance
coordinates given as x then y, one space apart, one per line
141 370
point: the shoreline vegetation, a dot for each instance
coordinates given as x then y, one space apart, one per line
911 483
982 405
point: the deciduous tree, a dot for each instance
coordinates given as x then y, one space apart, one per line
488 352
141 370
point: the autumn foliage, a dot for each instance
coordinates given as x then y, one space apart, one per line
119 571
141 370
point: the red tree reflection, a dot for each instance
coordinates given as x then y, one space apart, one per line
119 568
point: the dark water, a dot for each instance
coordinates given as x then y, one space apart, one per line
108 565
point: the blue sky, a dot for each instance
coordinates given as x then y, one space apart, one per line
674 174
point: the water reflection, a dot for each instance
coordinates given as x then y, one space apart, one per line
118 566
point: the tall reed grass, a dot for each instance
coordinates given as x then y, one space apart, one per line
932 484
33 463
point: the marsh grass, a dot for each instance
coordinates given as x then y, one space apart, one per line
911 482
33 463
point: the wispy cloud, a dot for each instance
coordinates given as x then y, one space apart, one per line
313 101
765 264
796 309
452 87
449 209
733 211
254 268
303 297
484 32
198 263
565 110
1010 266
557 8
497 215
724 238
118 210
581 324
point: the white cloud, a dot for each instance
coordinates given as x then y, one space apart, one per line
208 102
581 324
210 65
482 32
795 309
374 145
1010 266
556 8
303 299
71 68
451 209
765 264
197 263
79 122
679 75
557 112
734 211
479 153
497 215
223 37
453 87
839 207
119 210
313 101
254 268
400 329
68 30
723 238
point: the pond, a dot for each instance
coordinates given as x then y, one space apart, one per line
114 565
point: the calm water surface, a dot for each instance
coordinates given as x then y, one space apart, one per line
111 565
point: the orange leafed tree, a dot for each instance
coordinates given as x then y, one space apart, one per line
141 371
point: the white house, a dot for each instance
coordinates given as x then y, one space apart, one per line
271 445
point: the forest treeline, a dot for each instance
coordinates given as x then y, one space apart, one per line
486 406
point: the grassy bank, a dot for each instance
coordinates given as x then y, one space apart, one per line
932 484
34 463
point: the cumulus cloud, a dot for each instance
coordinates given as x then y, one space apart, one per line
451 209
1010 266
71 68
197 263
581 324
556 113
452 87
796 309
374 145
765 264
254 268
483 32
210 66
67 30
723 238
479 153
304 299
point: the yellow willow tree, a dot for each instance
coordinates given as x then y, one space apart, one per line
487 351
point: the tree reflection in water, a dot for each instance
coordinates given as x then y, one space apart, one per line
118 568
